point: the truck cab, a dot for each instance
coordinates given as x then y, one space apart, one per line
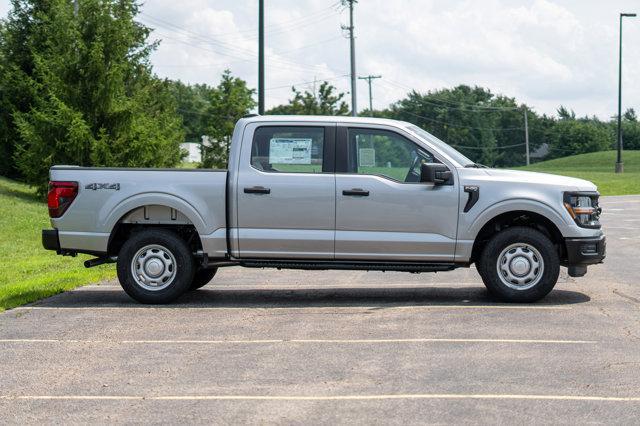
328 193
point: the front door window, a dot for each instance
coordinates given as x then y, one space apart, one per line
385 153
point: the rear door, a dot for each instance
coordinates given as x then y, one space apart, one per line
383 211
286 192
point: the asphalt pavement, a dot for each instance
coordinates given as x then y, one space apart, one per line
268 346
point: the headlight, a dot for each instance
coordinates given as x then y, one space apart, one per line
583 208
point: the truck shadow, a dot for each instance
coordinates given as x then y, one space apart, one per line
375 297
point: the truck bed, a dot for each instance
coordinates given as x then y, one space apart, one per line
108 196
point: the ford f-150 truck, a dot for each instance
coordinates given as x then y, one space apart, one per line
327 193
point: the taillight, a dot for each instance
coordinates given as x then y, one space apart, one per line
60 197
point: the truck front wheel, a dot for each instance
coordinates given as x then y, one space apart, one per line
155 266
519 264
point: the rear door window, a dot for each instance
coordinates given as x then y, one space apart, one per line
289 149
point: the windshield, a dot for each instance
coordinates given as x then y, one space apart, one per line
443 147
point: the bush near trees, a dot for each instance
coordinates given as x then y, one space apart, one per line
328 101
213 112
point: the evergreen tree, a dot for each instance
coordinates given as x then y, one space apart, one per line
87 95
230 101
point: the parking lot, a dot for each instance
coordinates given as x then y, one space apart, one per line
262 346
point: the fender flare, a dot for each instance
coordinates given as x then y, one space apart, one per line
110 217
516 204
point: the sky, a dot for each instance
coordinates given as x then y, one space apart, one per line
545 53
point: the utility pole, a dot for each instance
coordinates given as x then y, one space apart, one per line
354 108
526 132
619 164
75 8
261 57
369 78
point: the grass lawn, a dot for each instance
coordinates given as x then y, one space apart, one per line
598 167
27 271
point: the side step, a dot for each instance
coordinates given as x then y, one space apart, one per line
362 266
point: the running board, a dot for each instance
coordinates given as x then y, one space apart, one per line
361 266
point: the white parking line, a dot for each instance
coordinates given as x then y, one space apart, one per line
303 341
321 397
607 202
309 308
289 286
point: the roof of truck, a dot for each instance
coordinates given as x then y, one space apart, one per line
327 118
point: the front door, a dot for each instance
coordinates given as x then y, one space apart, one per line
286 192
383 211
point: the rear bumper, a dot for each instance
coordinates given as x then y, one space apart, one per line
50 239
586 251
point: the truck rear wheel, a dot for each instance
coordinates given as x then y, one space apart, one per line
519 264
155 266
202 278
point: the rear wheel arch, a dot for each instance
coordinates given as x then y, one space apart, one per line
153 216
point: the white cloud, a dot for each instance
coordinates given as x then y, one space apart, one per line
543 52
4 8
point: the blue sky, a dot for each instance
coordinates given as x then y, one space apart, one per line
543 52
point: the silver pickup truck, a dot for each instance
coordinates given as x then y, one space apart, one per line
327 193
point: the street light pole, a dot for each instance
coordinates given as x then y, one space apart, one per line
619 164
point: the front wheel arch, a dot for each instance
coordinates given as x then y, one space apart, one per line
518 218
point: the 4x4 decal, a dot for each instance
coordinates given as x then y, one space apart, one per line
96 186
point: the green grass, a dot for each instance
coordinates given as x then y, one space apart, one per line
598 167
27 271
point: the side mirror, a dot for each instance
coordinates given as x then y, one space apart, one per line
437 173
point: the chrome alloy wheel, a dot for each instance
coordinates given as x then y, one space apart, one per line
153 267
520 266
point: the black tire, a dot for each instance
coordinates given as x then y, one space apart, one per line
202 277
496 280
177 261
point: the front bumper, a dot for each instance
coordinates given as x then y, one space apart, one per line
585 251
50 240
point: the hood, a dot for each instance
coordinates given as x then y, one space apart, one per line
517 176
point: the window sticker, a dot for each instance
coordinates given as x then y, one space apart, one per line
366 157
290 151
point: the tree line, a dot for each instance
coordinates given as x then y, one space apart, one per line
77 87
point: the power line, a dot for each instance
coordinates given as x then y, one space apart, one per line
497 129
284 24
231 37
221 45
306 82
282 53
482 148
283 62
457 104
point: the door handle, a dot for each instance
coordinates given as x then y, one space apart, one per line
356 192
257 190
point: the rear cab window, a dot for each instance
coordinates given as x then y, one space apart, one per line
292 149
